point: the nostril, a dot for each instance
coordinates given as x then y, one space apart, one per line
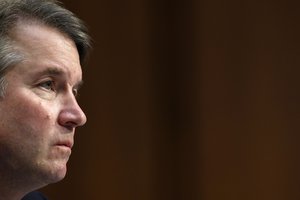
70 125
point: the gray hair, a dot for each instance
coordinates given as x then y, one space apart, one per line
48 12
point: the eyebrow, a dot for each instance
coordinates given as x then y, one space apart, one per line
78 85
54 71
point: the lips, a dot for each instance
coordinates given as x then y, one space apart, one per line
65 143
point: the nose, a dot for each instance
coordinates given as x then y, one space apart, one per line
71 115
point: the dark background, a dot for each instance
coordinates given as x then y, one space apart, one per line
188 100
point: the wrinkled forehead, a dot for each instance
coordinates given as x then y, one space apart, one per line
42 46
36 38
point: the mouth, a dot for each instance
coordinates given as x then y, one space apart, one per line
66 144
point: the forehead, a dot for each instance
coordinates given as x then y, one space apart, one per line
43 46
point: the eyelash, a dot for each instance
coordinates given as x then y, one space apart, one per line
75 92
50 85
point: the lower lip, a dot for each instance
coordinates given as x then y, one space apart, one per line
66 148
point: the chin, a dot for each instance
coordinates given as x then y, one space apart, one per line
56 174
46 176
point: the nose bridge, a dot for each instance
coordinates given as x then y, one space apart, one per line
72 112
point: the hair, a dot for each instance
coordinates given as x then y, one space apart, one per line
48 12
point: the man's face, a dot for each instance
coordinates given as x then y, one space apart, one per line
39 112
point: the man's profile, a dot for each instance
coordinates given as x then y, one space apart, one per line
42 48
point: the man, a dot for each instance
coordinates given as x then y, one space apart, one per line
42 48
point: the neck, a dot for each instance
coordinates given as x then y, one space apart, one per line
14 187
9 191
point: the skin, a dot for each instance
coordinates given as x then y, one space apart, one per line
39 112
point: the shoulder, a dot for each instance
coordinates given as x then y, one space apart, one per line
34 196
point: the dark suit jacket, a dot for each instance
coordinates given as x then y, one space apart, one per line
34 196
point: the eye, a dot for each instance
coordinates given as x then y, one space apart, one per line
47 85
75 92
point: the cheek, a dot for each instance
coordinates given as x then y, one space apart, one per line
33 116
26 128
